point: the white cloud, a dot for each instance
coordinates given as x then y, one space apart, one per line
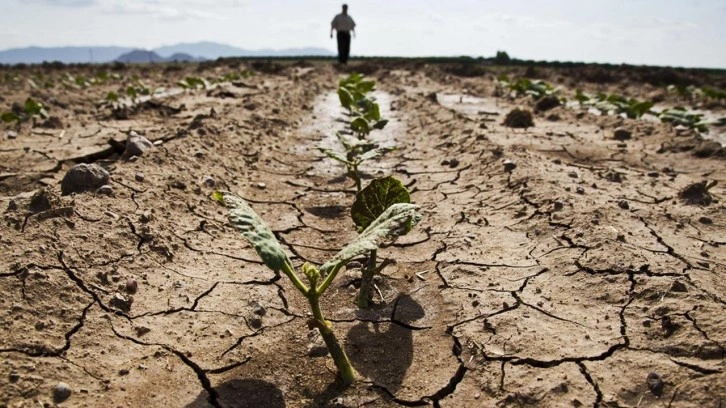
161 9
61 3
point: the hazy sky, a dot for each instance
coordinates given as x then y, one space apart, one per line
657 32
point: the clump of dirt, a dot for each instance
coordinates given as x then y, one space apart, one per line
464 70
546 103
697 193
519 118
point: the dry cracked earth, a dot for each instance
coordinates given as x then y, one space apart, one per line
576 275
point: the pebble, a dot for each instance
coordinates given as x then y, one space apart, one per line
572 174
131 285
509 165
209 181
261 186
139 177
105 190
61 392
84 177
136 145
653 174
558 205
11 134
622 134
655 383
705 220
580 190
14 377
624 205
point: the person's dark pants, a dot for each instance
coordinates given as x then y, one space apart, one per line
343 47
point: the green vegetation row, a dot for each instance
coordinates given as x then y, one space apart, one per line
618 104
381 213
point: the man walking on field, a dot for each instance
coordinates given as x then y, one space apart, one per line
344 25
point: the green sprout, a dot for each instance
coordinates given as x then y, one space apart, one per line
365 112
524 86
614 104
397 220
680 116
194 83
29 110
369 204
357 152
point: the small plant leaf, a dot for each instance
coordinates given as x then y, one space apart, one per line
333 155
254 229
112 97
397 220
346 99
365 86
370 154
9 117
380 124
360 125
375 198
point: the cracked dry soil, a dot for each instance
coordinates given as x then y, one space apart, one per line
579 278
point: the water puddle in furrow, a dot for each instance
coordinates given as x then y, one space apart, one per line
329 117
470 106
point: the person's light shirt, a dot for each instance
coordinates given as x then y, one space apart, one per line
343 23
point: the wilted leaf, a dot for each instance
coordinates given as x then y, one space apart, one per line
375 198
397 220
254 229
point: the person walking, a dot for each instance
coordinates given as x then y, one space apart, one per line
344 25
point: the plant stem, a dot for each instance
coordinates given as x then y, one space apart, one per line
345 369
366 280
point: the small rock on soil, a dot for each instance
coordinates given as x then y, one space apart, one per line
84 177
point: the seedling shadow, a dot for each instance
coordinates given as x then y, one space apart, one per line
243 393
384 355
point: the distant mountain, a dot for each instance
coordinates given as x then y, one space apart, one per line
178 52
140 56
211 50
206 50
68 55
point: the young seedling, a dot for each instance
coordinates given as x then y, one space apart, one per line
614 104
356 152
524 86
365 112
397 220
29 110
680 116
369 204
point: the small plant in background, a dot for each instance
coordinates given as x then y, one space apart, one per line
614 104
397 220
357 152
365 116
680 116
370 203
364 111
30 110
524 86
235 76
692 92
194 83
